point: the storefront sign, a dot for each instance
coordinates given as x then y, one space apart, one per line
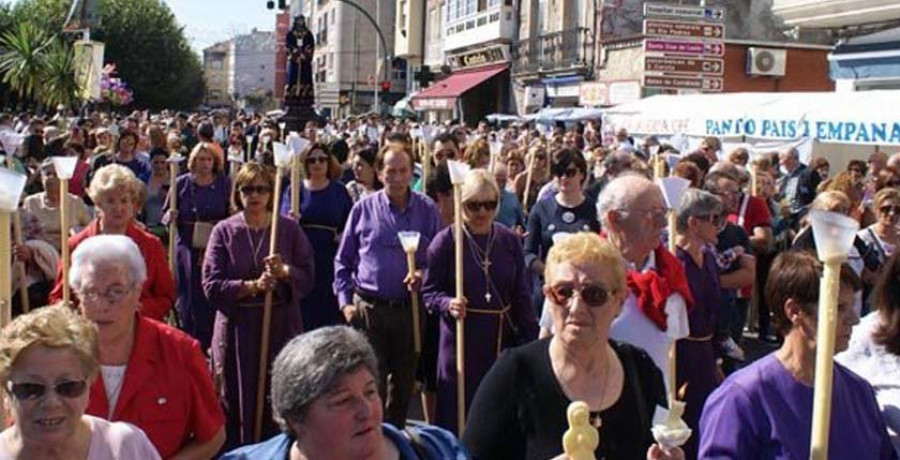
444 103
492 55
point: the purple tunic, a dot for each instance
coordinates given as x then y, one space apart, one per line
487 330
761 412
370 257
323 214
235 253
208 203
696 354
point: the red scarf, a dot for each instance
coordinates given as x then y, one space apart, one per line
654 287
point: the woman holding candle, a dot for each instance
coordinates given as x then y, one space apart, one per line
324 207
45 206
538 160
115 191
519 411
237 274
699 217
203 199
496 307
764 411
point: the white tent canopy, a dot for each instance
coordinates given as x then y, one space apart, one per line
862 118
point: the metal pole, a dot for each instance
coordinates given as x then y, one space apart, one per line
376 106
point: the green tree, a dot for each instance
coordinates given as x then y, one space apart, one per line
60 84
145 42
22 59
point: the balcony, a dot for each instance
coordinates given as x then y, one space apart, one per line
835 13
569 50
496 24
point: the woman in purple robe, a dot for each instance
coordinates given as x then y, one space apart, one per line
324 208
237 274
496 306
202 201
699 218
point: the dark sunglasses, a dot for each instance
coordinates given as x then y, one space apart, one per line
258 189
594 295
890 209
451 154
715 219
32 391
474 206
570 173
319 159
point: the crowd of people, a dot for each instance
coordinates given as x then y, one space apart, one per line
569 292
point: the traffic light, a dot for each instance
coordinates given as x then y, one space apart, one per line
386 86
282 4
424 76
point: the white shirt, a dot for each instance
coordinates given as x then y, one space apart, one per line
880 368
112 382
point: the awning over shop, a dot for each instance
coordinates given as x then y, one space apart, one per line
442 95
864 118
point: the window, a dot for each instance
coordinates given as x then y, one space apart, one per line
403 5
215 64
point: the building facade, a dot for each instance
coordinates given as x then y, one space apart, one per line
215 72
554 54
251 68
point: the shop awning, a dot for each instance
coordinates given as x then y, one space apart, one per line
442 95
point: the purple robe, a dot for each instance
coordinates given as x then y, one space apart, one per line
696 355
323 214
235 254
208 203
761 412
486 333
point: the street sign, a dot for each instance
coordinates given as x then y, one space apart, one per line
712 84
678 29
689 47
678 64
702 13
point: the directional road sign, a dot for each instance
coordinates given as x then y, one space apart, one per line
678 29
678 64
712 84
701 13
684 47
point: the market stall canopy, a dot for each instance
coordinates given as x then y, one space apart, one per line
566 114
442 95
864 118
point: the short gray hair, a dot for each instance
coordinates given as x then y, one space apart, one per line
696 203
618 194
107 250
311 364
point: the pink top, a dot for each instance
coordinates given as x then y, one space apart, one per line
110 440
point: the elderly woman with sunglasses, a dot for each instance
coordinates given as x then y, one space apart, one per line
519 411
700 215
237 273
48 360
151 375
324 208
496 302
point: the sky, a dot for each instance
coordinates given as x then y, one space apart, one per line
209 21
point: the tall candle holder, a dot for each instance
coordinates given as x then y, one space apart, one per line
458 173
65 169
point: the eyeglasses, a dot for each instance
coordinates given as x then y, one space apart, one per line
890 209
317 159
112 295
257 189
32 391
594 295
658 216
451 154
715 219
570 173
474 206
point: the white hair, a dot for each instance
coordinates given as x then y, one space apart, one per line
619 194
104 250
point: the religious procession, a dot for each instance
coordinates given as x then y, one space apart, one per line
680 276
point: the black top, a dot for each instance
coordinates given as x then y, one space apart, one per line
519 410
548 218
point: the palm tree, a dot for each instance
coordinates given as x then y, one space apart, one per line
22 58
60 86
